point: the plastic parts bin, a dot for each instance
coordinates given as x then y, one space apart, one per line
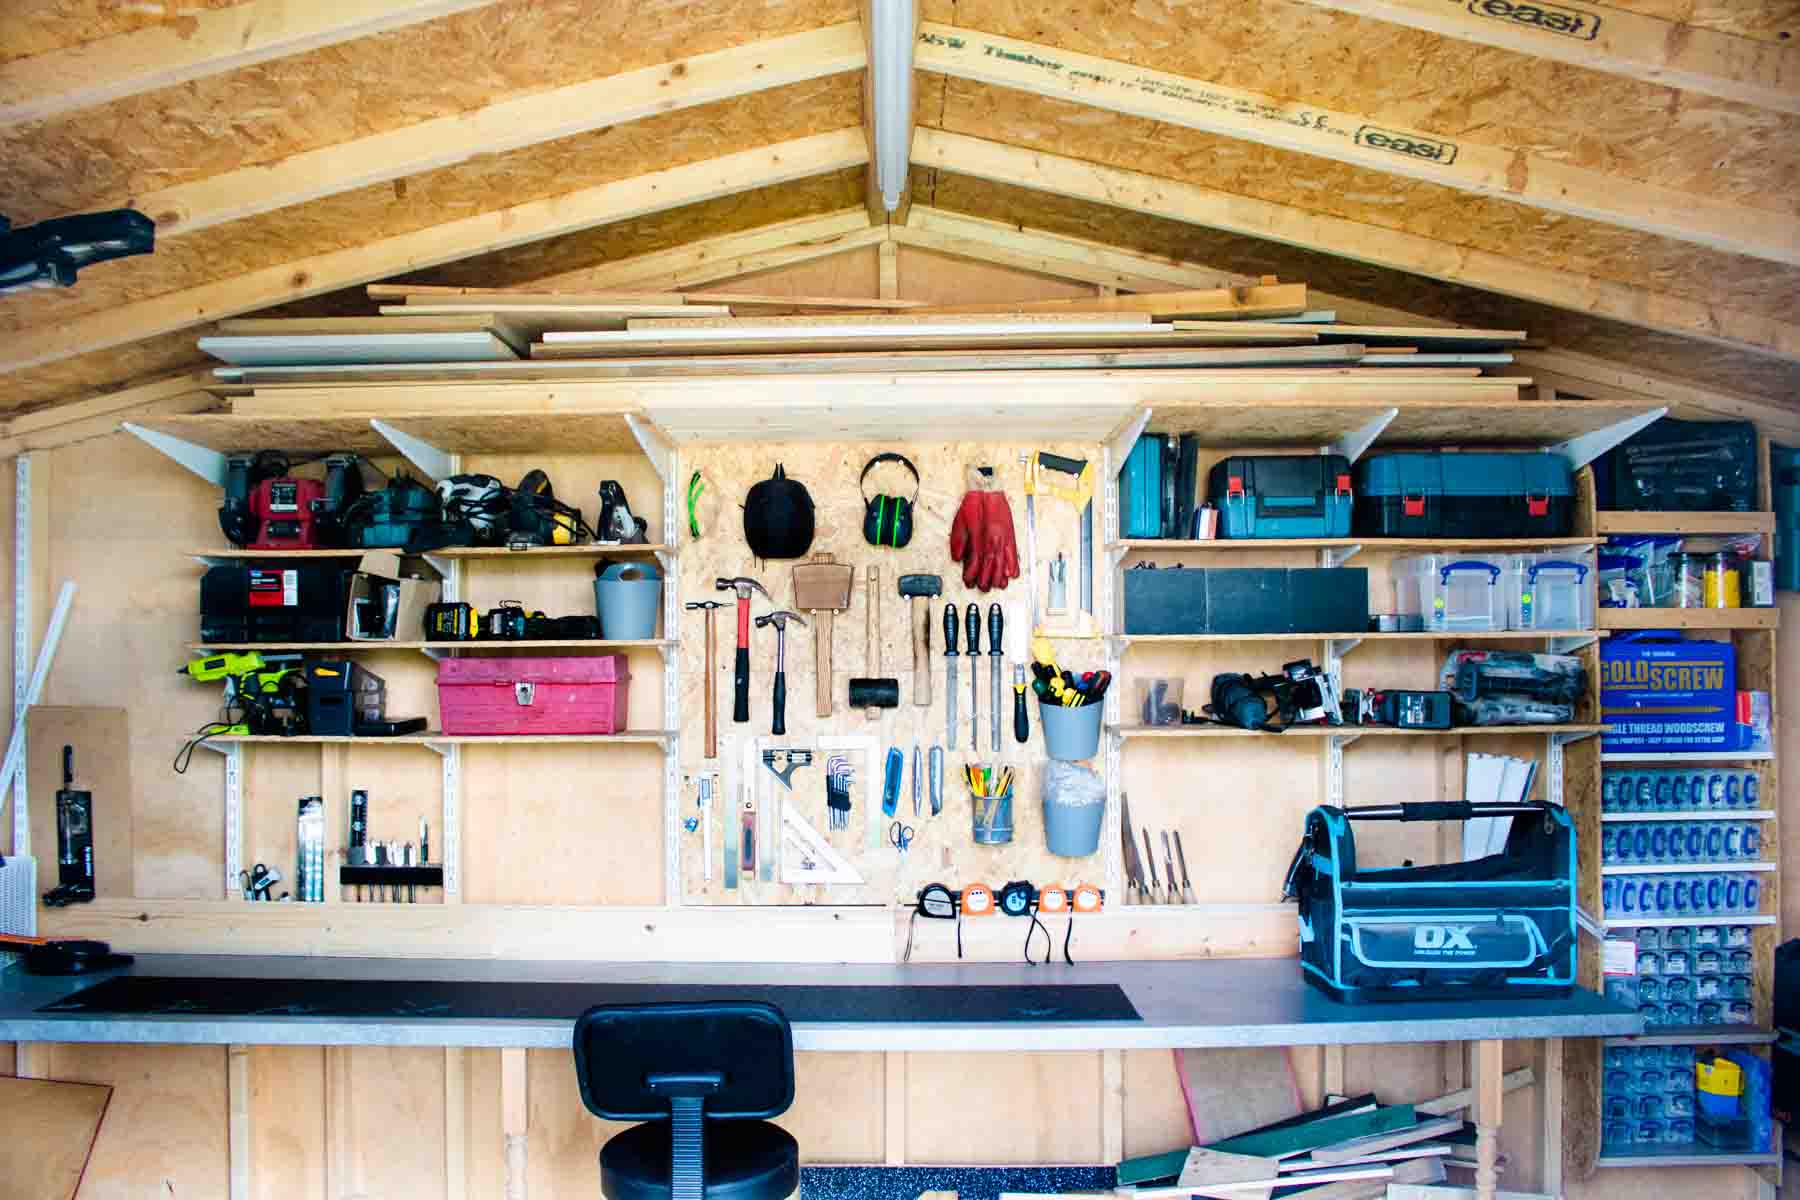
1551 591
1457 594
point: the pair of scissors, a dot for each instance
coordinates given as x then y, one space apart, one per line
257 882
900 837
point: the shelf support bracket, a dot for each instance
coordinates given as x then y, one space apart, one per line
233 754
1584 449
1337 648
655 448
1357 442
1120 444
203 461
1337 556
417 451
1570 644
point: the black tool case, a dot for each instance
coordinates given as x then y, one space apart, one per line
275 601
1281 495
1487 494
1681 466
1184 600
1499 927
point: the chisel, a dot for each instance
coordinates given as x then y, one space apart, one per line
973 627
1169 867
996 631
950 674
1187 889
1150 859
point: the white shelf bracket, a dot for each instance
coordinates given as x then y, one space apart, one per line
1570 644
1337 556
233 754
1355 443
443 566
1337 648
203 461
1341 740
1584 449
660 453
417 451
21 633
1119 445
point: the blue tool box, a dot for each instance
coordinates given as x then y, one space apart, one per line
1662 694
1282 495
1498 494
1499 927
1141 488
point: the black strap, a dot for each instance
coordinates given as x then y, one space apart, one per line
887 457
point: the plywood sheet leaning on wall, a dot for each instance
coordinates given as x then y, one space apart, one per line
942 849
50 1130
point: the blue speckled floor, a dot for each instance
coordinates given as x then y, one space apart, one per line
969 1183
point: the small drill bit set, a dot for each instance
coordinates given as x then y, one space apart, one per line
392 871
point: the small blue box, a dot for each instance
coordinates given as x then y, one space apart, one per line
1662 694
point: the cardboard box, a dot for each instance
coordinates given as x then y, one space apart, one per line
395 603
1668 696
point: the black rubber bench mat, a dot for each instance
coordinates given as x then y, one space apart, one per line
923 1004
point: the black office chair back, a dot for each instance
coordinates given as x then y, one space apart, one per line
687 1063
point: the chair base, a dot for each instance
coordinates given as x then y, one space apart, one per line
745 1160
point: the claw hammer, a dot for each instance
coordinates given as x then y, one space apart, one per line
712 686
740 679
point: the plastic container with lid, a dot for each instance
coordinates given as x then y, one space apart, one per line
1551 591
1456 594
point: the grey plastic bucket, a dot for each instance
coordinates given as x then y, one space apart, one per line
1071 733
628 596
1072 830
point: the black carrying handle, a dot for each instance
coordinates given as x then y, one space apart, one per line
1443 810
1056 462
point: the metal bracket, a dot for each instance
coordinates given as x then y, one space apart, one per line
1570 644
450 832
1337 556
417 451
1337 648
1560 740
1118 447
1341 740
203 461
1355 443
655 448
233 754
21 631
1585 448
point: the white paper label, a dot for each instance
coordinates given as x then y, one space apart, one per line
1620 957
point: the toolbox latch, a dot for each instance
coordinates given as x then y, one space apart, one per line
1234 487
523 693
1343 485
1412 506
1537 506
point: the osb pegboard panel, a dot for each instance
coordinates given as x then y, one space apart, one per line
1388 201
89 374
30 27
101 156
1453 88
943 849
480 185
1665 354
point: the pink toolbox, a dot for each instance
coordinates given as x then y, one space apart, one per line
567 694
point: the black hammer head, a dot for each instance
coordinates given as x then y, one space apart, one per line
921 586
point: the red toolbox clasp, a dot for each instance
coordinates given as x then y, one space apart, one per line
1412 506
1343 485
1234 487
1537 506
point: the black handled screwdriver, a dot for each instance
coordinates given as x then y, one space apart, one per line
972 626
996 634
950 674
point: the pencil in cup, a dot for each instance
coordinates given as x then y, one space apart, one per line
990 803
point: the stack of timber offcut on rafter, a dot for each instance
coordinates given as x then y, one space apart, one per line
1263 330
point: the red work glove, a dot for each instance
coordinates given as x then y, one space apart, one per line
981 538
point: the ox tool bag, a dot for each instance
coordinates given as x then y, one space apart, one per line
1499 927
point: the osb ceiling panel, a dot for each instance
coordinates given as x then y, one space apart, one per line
369 214
1361 194
102 156
1452 88
78 378
30 27
1764 20
1700 362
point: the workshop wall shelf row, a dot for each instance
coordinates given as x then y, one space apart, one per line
1690 618
1365 545
1350 732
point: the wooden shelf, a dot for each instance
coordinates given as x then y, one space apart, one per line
1685 868
1368 544
1704 1035
1690 618
536 553
486 644
1503 635
1711 814
1696 1154
1681 756
1222 731
1702 523
1671 922
430 737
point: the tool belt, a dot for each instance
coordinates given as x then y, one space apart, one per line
1498 927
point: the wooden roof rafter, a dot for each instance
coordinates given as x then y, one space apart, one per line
1504 172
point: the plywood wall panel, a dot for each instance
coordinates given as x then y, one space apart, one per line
100 157
941 279
854 274
165 1130
1451 88
1775 21
395 1121
1156 1116
90 374
972 1109
287 1121
1363 194
479 185
1683 358
838 1115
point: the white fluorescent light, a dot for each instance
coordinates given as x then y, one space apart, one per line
894 26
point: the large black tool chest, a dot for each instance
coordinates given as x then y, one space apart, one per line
275 601
1178 600
1281 495
1499 927
1497 494
1681 466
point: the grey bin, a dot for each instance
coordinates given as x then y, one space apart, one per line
1071 733
627 597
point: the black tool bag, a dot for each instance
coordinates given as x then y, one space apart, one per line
1682 466
404 515
540 519
1499 927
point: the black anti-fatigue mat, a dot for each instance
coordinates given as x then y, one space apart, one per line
149 995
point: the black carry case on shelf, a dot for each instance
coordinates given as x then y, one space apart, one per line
275 601
1185 600
1496 928
1681 466
1281 495
1482 494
